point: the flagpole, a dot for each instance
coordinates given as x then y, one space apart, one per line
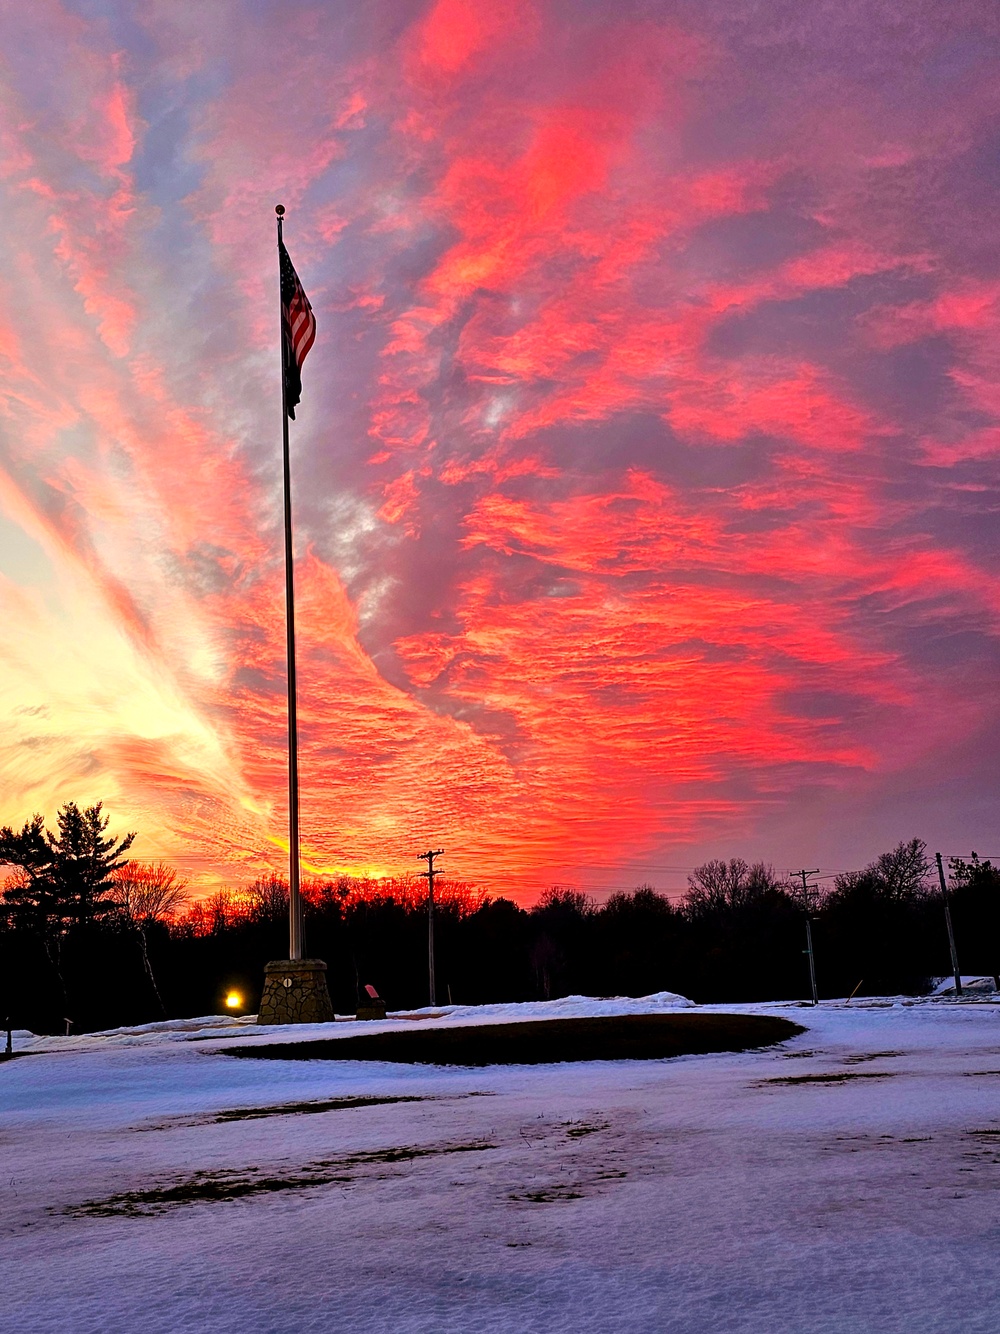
294 894
295 989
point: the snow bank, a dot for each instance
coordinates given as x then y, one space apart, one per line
566 1007
164 1030
945 986
842 1181
509 1012
207 1027
244 1029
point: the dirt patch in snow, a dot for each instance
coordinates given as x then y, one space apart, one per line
834 1077
234 1183
580 1128
314 1106
638 1037
307 1108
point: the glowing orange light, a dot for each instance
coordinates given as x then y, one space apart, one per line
234 1000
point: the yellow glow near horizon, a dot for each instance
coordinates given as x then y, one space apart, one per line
234 1000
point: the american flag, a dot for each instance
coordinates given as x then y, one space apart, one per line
298 331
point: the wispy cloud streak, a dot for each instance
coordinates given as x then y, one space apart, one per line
645 478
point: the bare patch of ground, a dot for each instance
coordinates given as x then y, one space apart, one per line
305 1108
312 1107
580 1128
234 1183
833 1077
644 1037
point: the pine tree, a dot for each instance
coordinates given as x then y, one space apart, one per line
30 894
85 863
63 880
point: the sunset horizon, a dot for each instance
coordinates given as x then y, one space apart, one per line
645 472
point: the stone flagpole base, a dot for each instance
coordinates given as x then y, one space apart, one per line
295 992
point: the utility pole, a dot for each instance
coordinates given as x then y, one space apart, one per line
808 891
951 932
429 875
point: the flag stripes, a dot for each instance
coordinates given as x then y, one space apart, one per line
298 330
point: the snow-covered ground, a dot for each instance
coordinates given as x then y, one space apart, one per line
848 1180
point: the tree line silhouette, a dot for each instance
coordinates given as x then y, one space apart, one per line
91 937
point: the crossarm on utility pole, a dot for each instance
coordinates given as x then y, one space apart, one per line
429 875
806 891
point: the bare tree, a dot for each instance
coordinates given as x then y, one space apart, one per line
266 898
899 876
145 894
719 888
561 900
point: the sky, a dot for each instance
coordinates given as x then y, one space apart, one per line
645 476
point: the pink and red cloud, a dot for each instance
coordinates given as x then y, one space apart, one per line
645 480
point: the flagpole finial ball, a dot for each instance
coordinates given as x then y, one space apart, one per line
279 209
